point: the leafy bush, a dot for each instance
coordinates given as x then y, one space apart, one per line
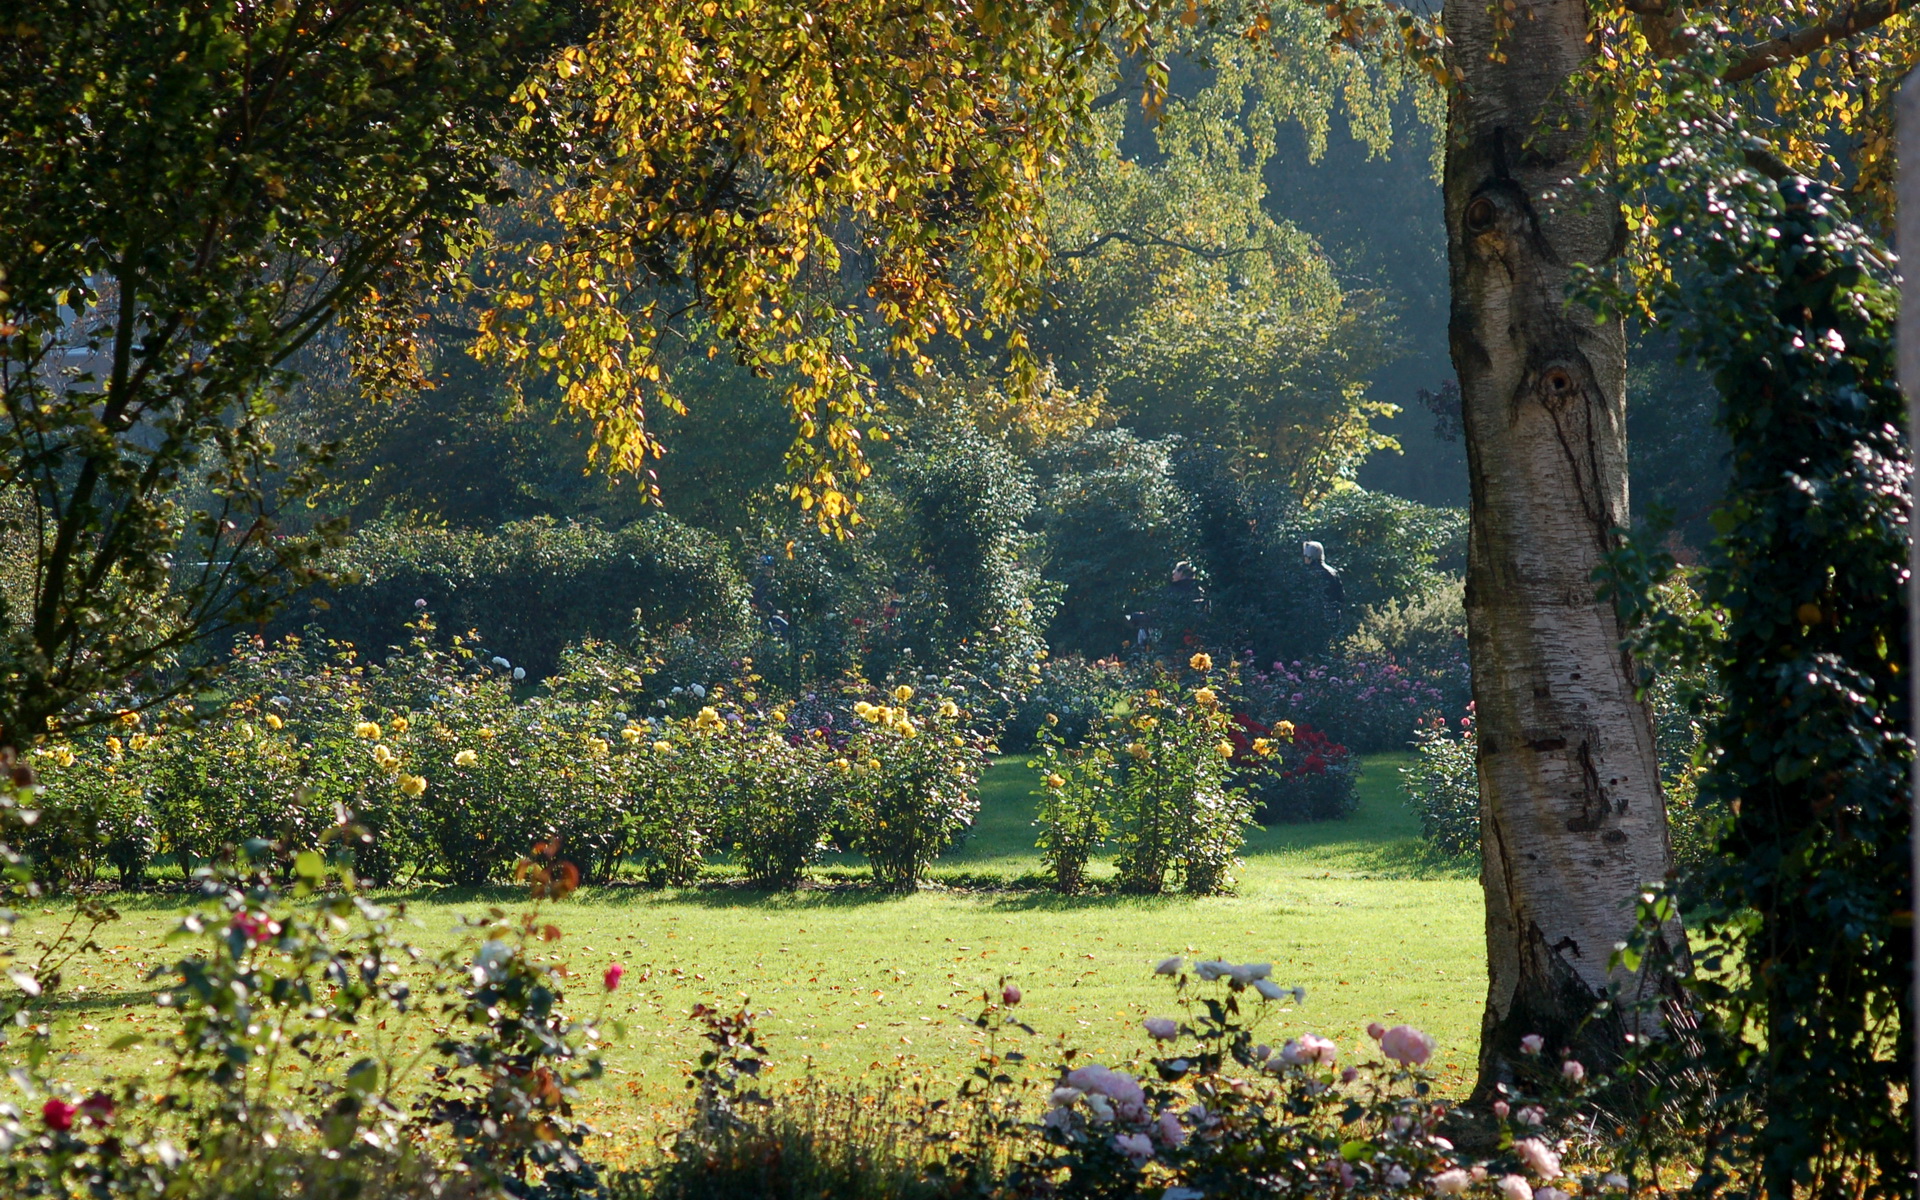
535 585
1073 811
1368 704
783 803
913 775
1443 785
287 976
1309 776
1159 780
1067 699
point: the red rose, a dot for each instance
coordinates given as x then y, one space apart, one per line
58 1114
612 977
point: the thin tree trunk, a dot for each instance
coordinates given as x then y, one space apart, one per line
1573 823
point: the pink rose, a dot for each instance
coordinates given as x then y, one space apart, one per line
1010 995
1136 1146
612 978
1407 1046
1376 1031
1574 1071
1501 1108
1451 1183
1532 1043
1172 1132
1350 1074
1163 1029
1538 1157
1515 1187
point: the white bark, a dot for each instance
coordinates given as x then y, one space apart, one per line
1573 822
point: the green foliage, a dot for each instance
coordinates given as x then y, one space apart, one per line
1067 700
1422 633
785 798
1114 522
190 194
1175 804
813 1145
534 586
912 785
1444 787
967 591
1798 923
1073 811
288 1071
1180 296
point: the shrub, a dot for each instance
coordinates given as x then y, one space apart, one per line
814 1145
536 585
287 975
1443 785
781 809
1177 807
1367 704
1068 698
912 778
1072 813
1309 777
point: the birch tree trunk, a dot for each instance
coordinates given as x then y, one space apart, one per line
1572 819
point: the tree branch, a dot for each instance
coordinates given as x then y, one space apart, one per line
1213 253
1850 20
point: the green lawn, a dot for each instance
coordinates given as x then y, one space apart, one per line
854 985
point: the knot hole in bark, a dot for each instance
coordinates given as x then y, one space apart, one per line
1558 386
1482 215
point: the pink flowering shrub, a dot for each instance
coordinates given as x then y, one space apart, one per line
1368 702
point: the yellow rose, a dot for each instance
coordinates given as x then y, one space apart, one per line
398 724
863 709
274 722
367 730
903 693
872 764
486 735
113 744
385 757
1205 696
709 718
1139 750
841 764
1054 781
1225 749
663 747
1285 730
466 758
139 741
597 747
413 785
64 756
1201 662
949 709
1263 746
130 719
632 734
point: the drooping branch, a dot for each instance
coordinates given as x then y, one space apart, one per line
1850 20
1128 238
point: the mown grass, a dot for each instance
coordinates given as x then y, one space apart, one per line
855 987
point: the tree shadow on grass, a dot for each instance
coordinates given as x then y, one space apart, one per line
91 1002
